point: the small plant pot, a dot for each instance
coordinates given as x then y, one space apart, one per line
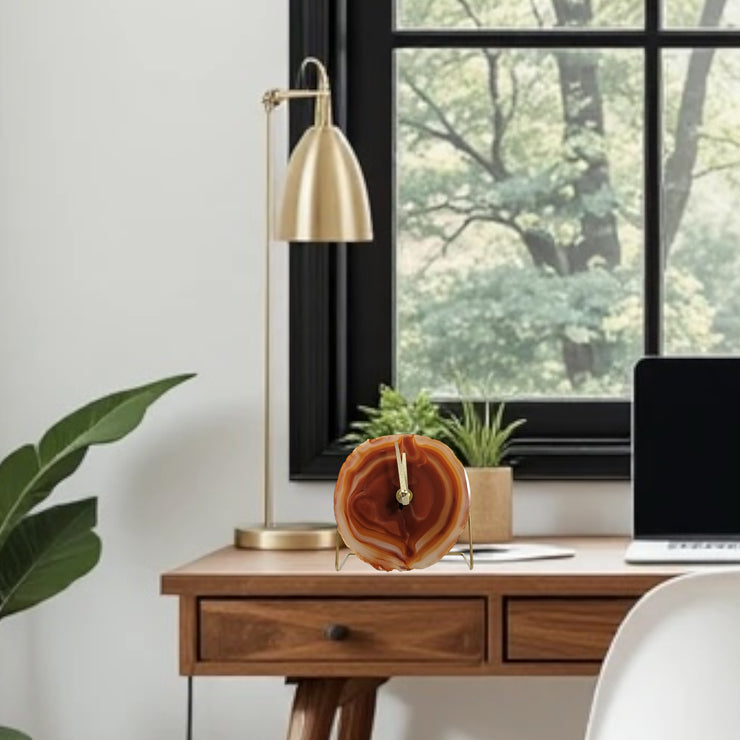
490 504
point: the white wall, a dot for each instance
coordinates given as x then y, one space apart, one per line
131 247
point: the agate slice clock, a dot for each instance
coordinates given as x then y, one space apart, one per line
401 501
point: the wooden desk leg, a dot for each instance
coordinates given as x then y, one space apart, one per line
314 706
357 704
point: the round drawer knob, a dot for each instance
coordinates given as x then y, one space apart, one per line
336 632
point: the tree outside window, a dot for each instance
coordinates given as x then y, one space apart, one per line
520 219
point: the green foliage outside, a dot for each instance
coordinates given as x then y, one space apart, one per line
43 552
520 237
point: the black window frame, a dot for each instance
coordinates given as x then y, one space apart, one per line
341 296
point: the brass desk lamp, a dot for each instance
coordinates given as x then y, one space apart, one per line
324 200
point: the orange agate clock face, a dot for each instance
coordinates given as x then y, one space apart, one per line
401 501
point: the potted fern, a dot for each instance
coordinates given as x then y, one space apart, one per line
397 414
482 444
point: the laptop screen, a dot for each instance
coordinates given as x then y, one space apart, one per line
686 447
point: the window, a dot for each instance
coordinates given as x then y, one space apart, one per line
553 187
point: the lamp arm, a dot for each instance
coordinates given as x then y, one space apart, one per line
273 98
322 94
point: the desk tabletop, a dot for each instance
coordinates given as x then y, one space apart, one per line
229 568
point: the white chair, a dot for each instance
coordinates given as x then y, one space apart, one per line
672 671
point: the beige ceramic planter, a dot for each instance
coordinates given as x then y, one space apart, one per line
490 504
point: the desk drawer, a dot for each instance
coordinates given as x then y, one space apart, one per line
561 629
317 630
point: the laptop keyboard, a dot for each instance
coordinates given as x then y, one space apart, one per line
683 551
704 545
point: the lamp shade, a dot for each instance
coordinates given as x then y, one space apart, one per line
325 197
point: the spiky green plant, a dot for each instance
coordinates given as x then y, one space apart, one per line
482 442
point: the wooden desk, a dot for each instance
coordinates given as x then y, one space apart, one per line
339 635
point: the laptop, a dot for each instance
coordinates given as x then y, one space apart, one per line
686 460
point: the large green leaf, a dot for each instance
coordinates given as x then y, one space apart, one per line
28 475
45 553
6 733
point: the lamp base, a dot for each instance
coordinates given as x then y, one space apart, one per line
292 536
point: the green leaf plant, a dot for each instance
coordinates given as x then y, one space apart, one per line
396 414
7 734
42 553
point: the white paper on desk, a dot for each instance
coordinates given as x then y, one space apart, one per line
511 552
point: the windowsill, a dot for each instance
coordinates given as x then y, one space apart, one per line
540 460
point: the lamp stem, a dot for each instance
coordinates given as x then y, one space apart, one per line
268 512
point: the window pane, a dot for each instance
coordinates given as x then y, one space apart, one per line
701 13
701 192
447 14
519 220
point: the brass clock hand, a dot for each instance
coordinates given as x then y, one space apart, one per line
403 494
